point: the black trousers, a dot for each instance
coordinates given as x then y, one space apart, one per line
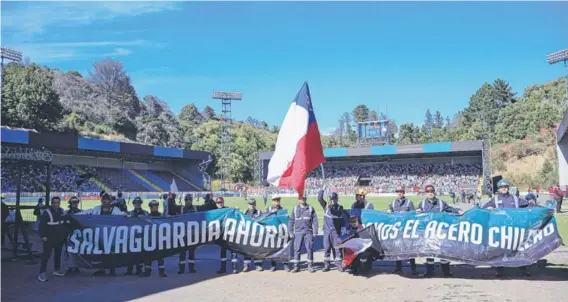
160 263
188 253
48 246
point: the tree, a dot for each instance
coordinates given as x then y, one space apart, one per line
373 116
503 94
29 100
252 121
114 84
428 123
360 113
408 133
208 113
190 114
482 105
393 128
74 73
438 120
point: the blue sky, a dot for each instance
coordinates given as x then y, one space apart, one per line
404 56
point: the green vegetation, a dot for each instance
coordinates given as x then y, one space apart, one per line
104 104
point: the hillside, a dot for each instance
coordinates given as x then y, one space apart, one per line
104 104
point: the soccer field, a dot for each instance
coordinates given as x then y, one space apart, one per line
380 203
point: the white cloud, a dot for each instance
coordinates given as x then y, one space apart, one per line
26 25
29 19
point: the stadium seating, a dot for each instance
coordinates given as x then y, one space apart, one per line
64 179
385 177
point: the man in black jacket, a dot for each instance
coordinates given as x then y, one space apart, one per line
53 232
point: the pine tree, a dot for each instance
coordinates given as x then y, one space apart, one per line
428 123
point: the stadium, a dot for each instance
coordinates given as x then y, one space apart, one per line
451 166
42 164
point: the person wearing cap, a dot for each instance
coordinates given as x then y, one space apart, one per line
106 208
189 252
531 200
73 209
303 227
136 212
334 220
433 204
402 204
274 208
253 213
504 199
53 233
154 212
220 204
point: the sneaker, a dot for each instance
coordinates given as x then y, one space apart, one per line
59 273
287 268
259 268
41 277
273 268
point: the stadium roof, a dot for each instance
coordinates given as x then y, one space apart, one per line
462 148
71 142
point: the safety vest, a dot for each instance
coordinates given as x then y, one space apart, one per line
514 197
51 221
297 212
407 204
327 212
440 203
183 209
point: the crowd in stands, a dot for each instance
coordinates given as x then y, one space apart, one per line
385 177
73 179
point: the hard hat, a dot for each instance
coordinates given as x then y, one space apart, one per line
276 196
429 188
137 200
153 202
503 183
360 191
74 199
251 201
399 188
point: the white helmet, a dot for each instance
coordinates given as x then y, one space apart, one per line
276 196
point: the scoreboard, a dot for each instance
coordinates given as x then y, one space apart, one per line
374 130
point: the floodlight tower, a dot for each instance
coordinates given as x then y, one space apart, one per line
9 54
226 132
557 57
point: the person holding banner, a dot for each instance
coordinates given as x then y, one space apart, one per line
253 213
433 204
504 199
73 209
274 209
334 221
154 205
303 226
402 204
106 208
190 251
137 212
220 204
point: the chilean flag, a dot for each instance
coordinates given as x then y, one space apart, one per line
298 147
